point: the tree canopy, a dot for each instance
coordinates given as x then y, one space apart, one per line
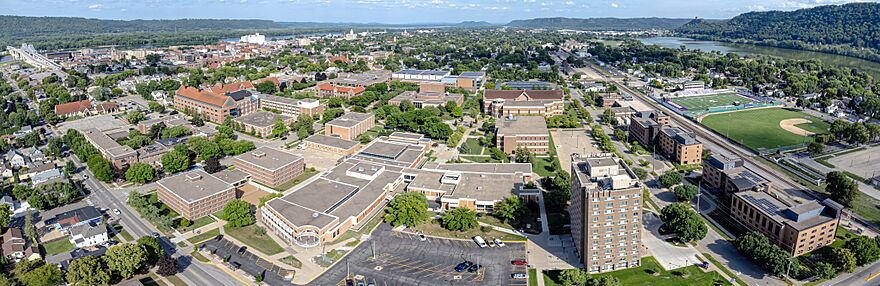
410 208
459 219
238 213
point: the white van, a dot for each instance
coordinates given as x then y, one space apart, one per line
479 240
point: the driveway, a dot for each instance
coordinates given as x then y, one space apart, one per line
669 256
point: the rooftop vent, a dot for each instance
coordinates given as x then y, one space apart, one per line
192 177
259 154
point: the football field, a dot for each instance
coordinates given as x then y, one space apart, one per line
761 129
704 102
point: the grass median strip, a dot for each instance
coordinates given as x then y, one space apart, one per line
204 236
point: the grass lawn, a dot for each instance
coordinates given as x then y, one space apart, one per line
481 159
198 256
58 246
471 146
248 235
121 232
703 102
197 224
759 129
433 228
650 273
533 277
545 166
204 236
292 261
308 173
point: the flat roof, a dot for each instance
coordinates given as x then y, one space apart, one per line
194 185
522 125
231 176
407 135
104 142
300 215
262 118
525 168
331 141
423 72
321 194
384 149
350 119
268 158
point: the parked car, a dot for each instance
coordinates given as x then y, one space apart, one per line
474 268
499 243
116 211
422 237
519 262
479 240
461 267
519 275
155 234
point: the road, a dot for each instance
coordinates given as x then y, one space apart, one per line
192 271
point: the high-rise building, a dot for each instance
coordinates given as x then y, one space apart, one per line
606 212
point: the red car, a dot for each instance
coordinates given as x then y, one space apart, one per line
519 262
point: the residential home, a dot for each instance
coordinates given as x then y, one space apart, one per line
15 247
86 235
17 160
84 215
76 108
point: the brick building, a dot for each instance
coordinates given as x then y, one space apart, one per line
262 122
605 210
350 125
324 143
326 90
523 102
679 146
429 94
270 166
529 132
292 107
195 194
728 174
214 107
646 125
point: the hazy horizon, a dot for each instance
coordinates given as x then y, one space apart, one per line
397 11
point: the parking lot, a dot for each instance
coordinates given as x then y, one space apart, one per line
247 261
572 141
392 258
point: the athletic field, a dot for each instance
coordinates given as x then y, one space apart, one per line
704 102
759 129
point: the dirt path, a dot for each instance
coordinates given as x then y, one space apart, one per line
789 125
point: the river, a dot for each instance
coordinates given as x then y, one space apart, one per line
869 67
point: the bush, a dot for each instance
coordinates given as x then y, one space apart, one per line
670 178
485 228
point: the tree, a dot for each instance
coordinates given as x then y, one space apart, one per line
410 208
54 147
156 107
574 277
267 87
279 128
459 219
45 275
135 116
864 248
684 222
175 161
508 209
608 117
5 215
523 155
670 178
824 270
816 147
841 188
238 213
605 281
125 259
89 270
197 120
843 259
100 167
685 193
140 173
167 266
152 248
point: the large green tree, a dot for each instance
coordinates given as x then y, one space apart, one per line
685 193
45 275
684 222
865 249
140 173
238 213
410 208
459 219
152 248
508 209
5 215
670 178
135 116
176 160
167 266
574 277
843 259
125 259
841 188
87 271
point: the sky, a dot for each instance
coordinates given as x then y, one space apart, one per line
398 11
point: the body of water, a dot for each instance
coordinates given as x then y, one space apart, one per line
870 67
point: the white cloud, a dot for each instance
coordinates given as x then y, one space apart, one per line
614 5
96 7
123 10
569 2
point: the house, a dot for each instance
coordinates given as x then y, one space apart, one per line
86 235
17 160
84 215
76 108
16 247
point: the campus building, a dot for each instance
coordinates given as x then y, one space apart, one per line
261 123
729 175
500 103
471 81
645 126
327 90
364 79
798 229
477 186
76 108
605 210
679 146
331 144
429 94
195 194
420 75
528 132
344 197
214 107
292 107
350 125
270 166
119 155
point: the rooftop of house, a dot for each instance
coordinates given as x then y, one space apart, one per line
194 185
268 158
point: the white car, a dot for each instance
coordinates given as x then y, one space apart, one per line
116 211
499 242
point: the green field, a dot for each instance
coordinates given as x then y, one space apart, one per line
704 102
651 273
759 129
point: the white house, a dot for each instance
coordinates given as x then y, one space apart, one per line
16 159
86 235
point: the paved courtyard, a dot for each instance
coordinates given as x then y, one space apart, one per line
391 258
572 141
101 122
865 163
